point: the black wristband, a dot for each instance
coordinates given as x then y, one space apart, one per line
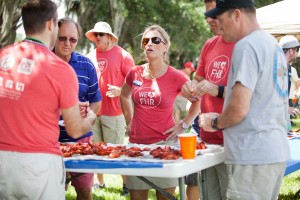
220 91
214 123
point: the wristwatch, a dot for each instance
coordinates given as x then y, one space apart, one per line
214 123
184 125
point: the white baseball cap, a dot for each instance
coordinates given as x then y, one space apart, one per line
288 42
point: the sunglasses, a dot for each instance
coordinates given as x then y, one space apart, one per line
99 34
154 40
296 49
64 39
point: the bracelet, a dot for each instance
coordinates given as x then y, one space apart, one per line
221 89
184 125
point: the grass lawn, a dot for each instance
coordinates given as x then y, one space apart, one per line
111 192
289 187
291 183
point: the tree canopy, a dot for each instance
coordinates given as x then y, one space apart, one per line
182 19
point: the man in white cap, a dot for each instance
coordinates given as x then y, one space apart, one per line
290 47
112 63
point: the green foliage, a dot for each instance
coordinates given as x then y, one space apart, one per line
182 19
88 12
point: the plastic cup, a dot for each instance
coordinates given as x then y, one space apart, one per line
187 145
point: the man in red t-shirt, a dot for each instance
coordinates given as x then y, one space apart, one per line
112 64
35 87
209 84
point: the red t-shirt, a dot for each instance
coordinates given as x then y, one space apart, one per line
214 66
113 66
34 85
153 104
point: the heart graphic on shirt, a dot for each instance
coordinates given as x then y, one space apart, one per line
223 64
151 94
102 64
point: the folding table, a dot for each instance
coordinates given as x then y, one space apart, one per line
169 169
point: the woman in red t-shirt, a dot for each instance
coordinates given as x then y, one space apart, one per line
153 88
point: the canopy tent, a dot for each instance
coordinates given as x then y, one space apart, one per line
281 18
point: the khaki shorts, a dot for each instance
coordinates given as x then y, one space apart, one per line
192 179
259 182
216 181
134 183
109 129
34 176
180 103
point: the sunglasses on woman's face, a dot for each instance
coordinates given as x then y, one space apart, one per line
99 34
64 39
154 40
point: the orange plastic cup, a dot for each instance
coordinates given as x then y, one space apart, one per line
188 145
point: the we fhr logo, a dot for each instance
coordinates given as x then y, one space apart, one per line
218 69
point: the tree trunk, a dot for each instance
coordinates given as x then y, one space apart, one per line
118 11
10 14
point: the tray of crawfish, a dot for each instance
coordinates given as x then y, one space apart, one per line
132 152
108 151
203 148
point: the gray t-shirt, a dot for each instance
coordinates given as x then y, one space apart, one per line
259 64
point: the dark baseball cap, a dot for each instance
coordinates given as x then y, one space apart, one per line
224 5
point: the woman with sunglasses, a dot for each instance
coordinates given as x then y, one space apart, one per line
153 88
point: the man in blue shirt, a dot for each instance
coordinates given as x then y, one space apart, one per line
89 92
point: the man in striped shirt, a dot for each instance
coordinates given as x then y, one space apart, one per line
89 92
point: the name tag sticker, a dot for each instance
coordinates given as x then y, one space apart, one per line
137 83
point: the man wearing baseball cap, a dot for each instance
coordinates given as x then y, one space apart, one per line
210 83
189 66
225 5
255 117
112 64
290 47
